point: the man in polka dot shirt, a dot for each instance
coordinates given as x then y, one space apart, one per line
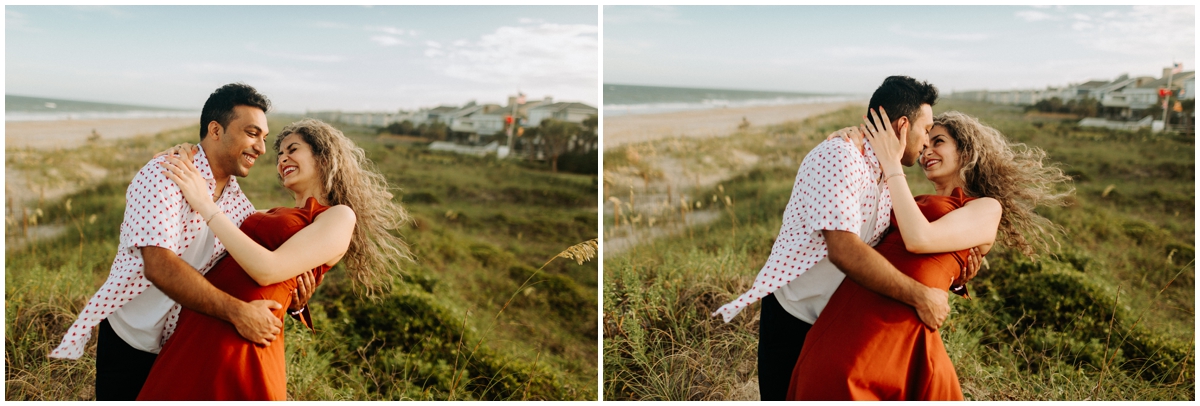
838 210
163 245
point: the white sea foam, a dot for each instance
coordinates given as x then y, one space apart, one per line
611 110
94 115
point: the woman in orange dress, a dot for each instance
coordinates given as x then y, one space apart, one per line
866 346
343 212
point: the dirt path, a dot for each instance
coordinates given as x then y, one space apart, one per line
653 188
23 191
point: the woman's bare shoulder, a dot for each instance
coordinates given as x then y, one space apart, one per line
339 212
985 204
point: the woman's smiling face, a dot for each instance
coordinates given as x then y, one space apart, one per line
296 164
940 158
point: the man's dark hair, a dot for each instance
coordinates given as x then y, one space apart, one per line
221 102
902 96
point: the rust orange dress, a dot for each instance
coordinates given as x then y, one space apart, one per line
206 359
865 346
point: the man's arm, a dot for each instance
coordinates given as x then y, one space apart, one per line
868 268
179 281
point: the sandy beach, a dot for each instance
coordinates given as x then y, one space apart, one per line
73 133
620 130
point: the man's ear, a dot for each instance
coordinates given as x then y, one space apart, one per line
214 129
901 126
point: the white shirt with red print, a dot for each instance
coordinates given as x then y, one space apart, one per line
837 188
156 215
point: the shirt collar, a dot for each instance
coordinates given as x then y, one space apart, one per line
200 161
872 160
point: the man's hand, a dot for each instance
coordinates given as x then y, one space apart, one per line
968 272
181 282
868 268
306 285
932 306
255 322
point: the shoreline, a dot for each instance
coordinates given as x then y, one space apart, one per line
628 129
75 133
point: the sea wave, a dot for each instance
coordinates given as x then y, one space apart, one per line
94 115
611 110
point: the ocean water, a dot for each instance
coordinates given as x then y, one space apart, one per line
25 108
622 100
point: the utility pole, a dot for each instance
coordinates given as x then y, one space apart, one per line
512 127
1167 96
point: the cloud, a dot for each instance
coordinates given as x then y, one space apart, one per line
1034 16
16 21
387 40
259 76
330 24
1152 31
1145 31
392 30
543 54
296 57
946 36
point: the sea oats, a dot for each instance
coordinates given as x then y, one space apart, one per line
616 211
581 252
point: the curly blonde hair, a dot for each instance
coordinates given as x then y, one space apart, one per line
1013 174
351 179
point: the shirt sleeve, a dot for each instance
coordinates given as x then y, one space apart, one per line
153 210
831 184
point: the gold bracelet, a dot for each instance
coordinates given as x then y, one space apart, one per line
889 177
214 215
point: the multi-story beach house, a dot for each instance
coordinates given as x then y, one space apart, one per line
568 111
480 128
1124 101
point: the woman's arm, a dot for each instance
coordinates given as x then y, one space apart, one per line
972 225
322 242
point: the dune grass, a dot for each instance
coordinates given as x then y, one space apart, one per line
482 229
1109 316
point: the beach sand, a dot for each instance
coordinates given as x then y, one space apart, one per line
45 137
620 130
75 133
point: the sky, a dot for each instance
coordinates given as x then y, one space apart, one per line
851 49
304 57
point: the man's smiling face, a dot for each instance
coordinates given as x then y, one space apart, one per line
242 142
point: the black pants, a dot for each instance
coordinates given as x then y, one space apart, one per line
120 369
780 338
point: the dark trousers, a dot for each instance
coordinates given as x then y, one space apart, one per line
780 338
120 369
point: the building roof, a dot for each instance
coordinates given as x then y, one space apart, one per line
442 109
1178 79
1091 84
560 106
